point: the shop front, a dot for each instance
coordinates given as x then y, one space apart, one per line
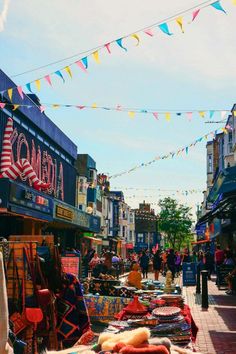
23 210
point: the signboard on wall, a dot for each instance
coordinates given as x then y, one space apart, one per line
46 159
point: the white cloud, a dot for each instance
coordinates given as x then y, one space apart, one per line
3 14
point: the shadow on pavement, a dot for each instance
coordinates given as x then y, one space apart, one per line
229 317
223 342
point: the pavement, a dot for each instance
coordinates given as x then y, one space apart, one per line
217 324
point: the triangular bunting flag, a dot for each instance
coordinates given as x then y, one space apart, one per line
167 116
149 32
80 107
96 56
9 92
155 114
165 29
81 65
85 62
202 114
29 87
131 114
189 115
38 84
234 112
48 79
55 105
217 6
179 21
15 106
211 114
119 42
42 109
2 105
234 2
195 13
58 73
20 91
223 113
107 45
94 105
68 70
135 36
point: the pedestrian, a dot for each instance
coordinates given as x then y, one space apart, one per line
164 260
135 277
144 262
229 260
171 262
94 261
157 263
177 263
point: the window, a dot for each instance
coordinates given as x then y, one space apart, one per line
91 174
80 207
140 238
17 120
24 126
131 235
39 137
32 132
123 231
81 185
209 164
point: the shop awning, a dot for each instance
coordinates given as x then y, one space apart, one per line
129 246
94 239
200 242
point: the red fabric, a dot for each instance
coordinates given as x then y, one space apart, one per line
186 312
219 256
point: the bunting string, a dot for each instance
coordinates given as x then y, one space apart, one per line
181 191
172 154
206 113
82 63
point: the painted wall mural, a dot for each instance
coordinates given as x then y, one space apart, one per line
20 159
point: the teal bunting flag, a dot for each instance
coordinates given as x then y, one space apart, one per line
85 62
211 114
119 42
28 86
58 73
165 29
217 6
186 149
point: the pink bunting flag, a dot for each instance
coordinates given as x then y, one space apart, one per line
80 107
155 114
118 107
149 32
107 45
189 115
2 105
48 79
81 66
195 13
42 109
20 91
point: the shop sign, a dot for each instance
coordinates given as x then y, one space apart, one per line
30 198
82 219
64 213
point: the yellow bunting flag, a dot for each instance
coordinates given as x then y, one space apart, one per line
202 114
135 36
179 21
224 130
234 2
15 106
55 106
131 114
9 91
38 84
94 105
96 57
167 116
68 70
234 111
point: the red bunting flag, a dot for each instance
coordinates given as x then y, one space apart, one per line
107 45
195 13
20 91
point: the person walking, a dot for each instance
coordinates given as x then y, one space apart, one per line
171 262
144 262
177 263
157 262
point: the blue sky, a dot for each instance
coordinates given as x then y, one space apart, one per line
194 70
